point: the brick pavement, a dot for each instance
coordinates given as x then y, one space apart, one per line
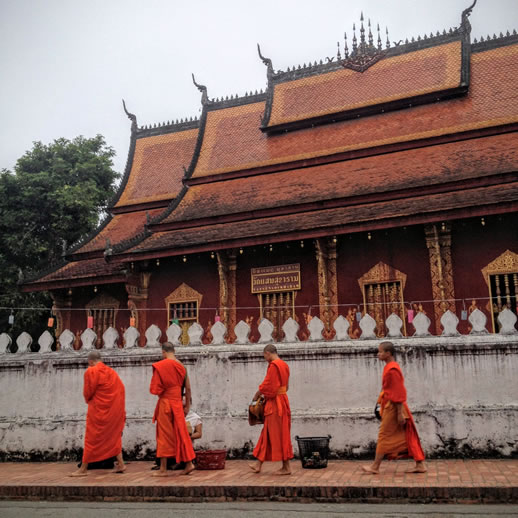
459 481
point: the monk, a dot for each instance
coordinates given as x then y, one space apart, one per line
105 396
398 436
172 437
275 440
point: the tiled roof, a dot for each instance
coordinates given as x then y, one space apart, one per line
426 71
119 228
410 169
233 140
72 272
279 228
157 168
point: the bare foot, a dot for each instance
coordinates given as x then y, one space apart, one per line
188 469
78 474
283 471
417 469
160 474
371 470
119 469
254 468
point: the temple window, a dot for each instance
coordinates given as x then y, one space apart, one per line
382 287
103 309
183 306
501 276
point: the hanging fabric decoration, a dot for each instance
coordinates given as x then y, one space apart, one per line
410 315
132 322
10 320
90 322
50 322
358 315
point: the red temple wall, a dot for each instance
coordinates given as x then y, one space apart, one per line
474 246
402 248
199 272
281 254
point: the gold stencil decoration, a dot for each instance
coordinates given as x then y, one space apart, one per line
505 263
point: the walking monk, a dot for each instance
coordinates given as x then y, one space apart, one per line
105 396
397 435
275 440
172 437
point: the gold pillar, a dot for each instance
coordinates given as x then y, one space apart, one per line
438 241
227 268
327 281
137 288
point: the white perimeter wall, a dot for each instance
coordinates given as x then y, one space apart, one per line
463 393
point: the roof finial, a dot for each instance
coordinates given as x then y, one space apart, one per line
370 34
346 48
266 61
465 26
387 44
338 55
355 45
379 37
131 117
202 89
362 33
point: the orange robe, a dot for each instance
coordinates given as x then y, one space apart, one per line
105 396
275 440
172 437
396 441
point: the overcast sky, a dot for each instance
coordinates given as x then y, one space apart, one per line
65 65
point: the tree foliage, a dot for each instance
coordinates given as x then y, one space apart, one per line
56 195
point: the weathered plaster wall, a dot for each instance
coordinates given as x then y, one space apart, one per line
463 392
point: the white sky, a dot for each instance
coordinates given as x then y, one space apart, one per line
65 65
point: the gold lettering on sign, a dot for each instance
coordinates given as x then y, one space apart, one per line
276 278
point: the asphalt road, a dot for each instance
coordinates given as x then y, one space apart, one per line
16 509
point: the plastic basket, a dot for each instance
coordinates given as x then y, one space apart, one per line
211 459
314 451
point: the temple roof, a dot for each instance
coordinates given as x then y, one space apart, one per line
409 170
77 273
367 216
233 142
158 167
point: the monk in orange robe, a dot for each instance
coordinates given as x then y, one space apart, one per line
398 436
275 441
105 396
172 436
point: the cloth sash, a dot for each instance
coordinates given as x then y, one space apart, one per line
174 393
171 394
281 391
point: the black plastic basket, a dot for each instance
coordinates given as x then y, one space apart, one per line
314 451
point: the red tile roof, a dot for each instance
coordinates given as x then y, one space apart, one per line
119 228
410 169
412 74
86 271
233 141
278 228
157 168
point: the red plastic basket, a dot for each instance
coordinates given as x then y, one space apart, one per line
211 459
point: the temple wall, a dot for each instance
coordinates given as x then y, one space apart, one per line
463 392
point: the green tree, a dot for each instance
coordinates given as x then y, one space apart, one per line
56 195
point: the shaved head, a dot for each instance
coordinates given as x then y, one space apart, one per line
94 356
270 348
168 347
388 347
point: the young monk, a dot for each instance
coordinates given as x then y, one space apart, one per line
172 437
397 435
275 440
105 396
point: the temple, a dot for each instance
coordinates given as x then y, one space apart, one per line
381 180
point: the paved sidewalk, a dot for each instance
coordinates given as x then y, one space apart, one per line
447 481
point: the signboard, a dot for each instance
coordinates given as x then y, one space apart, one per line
285 277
